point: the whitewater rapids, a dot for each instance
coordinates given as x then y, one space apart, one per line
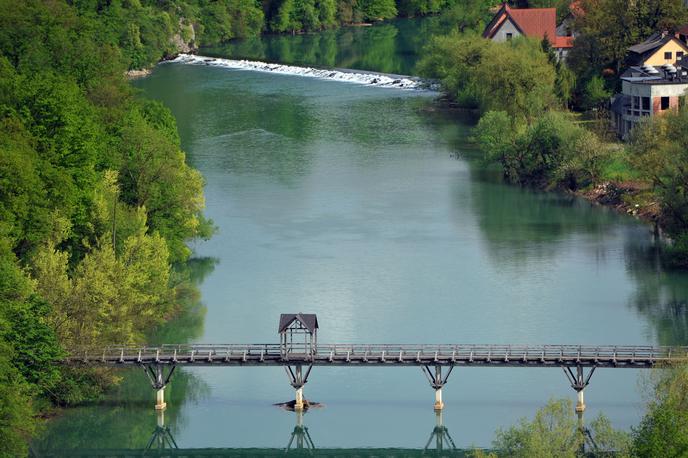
370 79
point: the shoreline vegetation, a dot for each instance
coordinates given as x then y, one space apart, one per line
545 122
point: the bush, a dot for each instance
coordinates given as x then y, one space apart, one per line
515 76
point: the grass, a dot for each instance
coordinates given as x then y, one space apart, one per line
618 168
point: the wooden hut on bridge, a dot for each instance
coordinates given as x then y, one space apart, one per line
298 333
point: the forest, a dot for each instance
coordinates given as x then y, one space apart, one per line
97 205
146 31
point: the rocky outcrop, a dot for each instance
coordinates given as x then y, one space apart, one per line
184 41
134 74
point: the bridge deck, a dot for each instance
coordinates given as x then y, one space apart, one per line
386 355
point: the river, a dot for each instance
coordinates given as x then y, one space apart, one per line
370 207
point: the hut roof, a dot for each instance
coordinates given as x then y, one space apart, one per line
309 320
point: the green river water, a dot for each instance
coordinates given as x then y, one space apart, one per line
370 207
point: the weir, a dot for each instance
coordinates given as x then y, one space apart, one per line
341 75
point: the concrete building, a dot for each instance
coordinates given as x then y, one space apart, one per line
647 91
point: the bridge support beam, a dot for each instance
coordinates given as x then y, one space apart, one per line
437 382
159 380
578 382
297 379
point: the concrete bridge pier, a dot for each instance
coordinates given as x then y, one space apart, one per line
578 382
439 405
160 403
437 382
580 402
159 380
297 379
298 404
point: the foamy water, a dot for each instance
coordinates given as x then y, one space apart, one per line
370 79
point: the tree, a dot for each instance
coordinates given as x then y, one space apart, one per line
555 431
515 76
377 10
283 21
469 15
660 150
595 95
663 431
155 176
16 413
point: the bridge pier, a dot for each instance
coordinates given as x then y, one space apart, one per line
297 379
578 382
158 379
160 403
437 382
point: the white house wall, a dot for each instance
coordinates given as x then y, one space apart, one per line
507 27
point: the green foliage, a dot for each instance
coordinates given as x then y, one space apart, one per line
555 431
609 27
412 8
28 349
663 431
377 10
595 94
16 412
154 176
551 151
223 20
469 15
659 148
96 199
565 79
109 298
514 76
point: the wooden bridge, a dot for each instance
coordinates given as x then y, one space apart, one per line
298 359
298 347
385 355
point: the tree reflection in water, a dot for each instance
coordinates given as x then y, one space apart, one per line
661 294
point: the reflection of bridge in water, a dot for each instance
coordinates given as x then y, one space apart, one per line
299 443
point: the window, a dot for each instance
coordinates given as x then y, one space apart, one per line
667 55
679 54
509 36
636 102
646 103
664 103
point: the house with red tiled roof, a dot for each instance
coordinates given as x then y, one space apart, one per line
537 23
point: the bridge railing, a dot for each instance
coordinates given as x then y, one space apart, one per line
560 353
